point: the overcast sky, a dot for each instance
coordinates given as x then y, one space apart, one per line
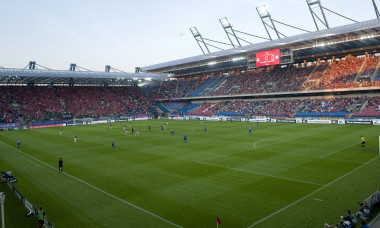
126 34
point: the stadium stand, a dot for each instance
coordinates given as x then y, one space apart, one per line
34 104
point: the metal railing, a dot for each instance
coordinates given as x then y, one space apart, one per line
27 203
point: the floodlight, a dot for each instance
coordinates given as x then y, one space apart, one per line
211 63
194 30
199 41
263 12
311 2
225 23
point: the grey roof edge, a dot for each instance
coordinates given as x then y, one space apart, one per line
4 72
267 44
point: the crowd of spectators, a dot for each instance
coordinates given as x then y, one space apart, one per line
253 81
293 79
329 105
340 74
177 88
332 74
315 76
204 110
371 109
44 103
238 107
369 67
284 107
352 220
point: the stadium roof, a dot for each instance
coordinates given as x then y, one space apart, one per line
37 76
356 28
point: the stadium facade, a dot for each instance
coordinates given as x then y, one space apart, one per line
354 39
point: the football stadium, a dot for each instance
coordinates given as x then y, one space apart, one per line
279 133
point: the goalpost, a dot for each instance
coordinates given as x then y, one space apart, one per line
82 121
85 121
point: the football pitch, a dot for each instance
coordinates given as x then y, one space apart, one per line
281 175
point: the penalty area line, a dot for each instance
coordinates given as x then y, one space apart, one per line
323 156
96 188
261 174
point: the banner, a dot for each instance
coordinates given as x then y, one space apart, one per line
212 118
46 126
98 122
285 121
359 122
258 120
141 118
320 121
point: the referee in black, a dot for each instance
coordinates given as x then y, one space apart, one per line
60 165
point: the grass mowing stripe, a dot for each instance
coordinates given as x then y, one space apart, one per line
263 174
319 189
96 188
333 159
338 150
254 146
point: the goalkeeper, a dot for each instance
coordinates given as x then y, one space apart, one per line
363 142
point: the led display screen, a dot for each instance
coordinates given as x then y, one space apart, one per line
268 58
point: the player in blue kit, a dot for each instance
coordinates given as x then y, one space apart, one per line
205 130
162 128
18 144
250 130
185 138
172 131
149 127
113 144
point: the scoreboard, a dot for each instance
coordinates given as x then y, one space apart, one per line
268 58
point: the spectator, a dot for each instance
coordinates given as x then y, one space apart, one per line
364 225
41 217
351 218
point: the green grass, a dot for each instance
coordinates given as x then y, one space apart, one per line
14 210
283 175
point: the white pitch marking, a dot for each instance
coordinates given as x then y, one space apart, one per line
96 188
291 138
263 174
333 159
338 150
319 189
317 199
225 155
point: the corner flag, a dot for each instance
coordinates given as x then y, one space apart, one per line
218 221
